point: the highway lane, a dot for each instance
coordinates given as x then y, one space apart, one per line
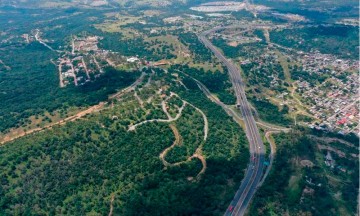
230 111
255 168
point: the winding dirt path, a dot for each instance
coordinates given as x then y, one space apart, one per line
111 205
200 156
133 127
163 106
171 119
266 35
206 123
178 141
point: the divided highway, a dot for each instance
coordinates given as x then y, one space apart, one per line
256 166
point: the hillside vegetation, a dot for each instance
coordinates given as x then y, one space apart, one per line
95 164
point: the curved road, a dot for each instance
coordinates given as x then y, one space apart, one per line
256 166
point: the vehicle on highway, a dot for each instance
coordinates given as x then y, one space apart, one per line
231 208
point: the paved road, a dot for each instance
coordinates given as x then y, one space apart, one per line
230 111
130 88
255 168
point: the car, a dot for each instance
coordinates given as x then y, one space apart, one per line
231 208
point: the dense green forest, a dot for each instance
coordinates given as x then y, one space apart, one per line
75 169
339 40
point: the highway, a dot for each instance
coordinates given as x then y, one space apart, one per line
256 167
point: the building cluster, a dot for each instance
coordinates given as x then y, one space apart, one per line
86 61
349 21
334 102
315 62
85 44
290 17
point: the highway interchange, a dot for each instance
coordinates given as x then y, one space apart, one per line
256 166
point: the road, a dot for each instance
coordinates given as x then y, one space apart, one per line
85 67
9 137
256 167
171 119
178 115
230 111
355 101
130 88
37 38
73 73
216 100
272 154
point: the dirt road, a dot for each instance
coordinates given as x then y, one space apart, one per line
8 138
178 141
